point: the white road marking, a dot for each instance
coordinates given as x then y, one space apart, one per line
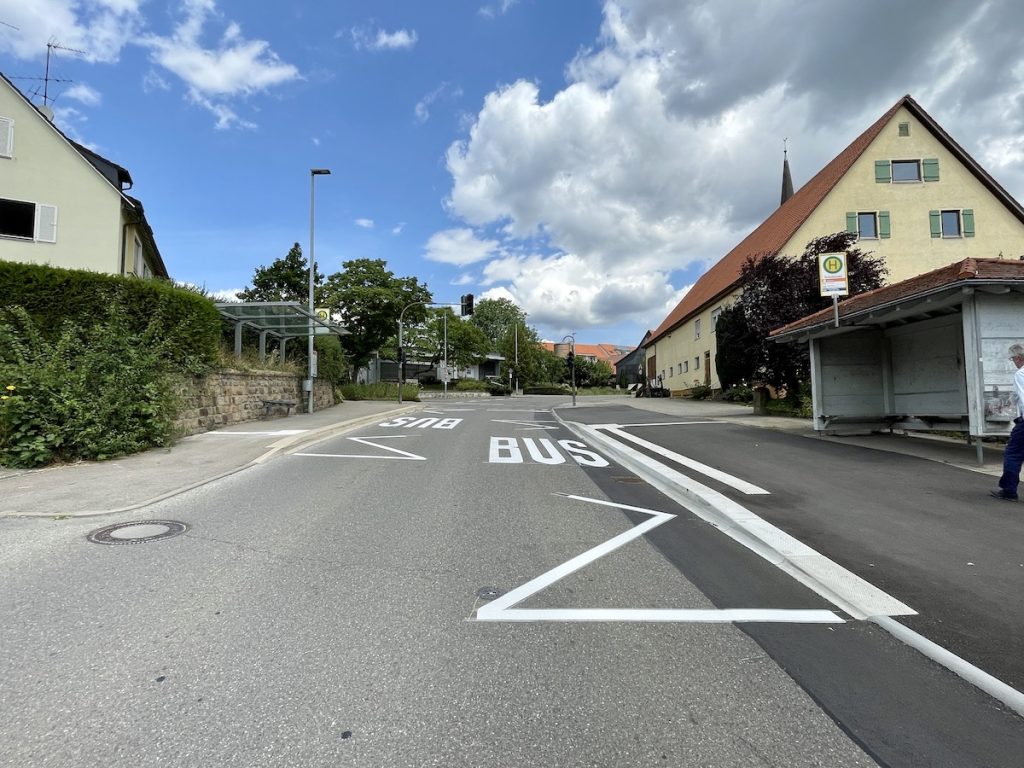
416 422
519 410
506 450
851 593
276 433
528 424
662 424
501 608
401 455
715 474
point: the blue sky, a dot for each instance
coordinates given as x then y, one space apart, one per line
586 159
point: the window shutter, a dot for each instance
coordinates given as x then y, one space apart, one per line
883 171
931 168
967 218
936 221
851 223
883 224
46 223
6 137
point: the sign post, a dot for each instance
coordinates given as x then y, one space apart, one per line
833 279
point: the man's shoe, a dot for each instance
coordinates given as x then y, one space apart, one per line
1001 494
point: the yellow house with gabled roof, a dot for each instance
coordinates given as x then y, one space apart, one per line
63 205
904 186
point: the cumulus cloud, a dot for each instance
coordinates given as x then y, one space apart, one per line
382 40
97 31
397 229
83 94
364 223
663 148
459 246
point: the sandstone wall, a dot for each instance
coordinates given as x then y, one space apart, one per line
232 397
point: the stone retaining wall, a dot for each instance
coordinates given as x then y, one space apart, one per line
233 397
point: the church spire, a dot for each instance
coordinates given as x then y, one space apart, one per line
787 179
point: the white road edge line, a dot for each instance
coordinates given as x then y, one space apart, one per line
843 588
715 474
980 679
500 609
366 441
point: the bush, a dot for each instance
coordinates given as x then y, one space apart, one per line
190 332
86 392
471 385
548 390
700 392
498 390
739 394
381 391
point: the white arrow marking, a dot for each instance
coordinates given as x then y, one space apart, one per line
402 455
501 608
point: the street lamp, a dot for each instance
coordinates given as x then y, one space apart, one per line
313 173
572 366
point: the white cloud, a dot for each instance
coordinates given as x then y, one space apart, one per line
663 150
397 229
364 223
381 40
464 279
97 30
497 9
422 108
459 247
83 94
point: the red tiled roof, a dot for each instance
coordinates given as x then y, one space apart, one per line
606 352
775 231
997 270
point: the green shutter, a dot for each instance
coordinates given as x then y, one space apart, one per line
883 171
936 220
851 223
883 224
967 218
931 169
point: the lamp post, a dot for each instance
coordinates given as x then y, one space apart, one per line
313 173
572 367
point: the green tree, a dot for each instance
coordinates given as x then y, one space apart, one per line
369 299
777 290
496 317
467 344
738 348
287 279
520 345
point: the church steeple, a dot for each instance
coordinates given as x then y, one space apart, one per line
787 179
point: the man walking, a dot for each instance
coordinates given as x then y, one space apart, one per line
1014 455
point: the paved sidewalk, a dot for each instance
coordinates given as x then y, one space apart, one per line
120 485
952 451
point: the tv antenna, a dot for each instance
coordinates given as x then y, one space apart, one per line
4 23
50 48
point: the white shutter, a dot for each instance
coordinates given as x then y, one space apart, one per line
6 137
46 223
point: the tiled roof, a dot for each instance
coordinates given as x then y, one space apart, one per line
606 352
989 270
775 231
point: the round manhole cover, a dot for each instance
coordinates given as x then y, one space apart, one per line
489 593
139 532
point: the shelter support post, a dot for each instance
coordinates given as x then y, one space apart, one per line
284 343
238 339
263 346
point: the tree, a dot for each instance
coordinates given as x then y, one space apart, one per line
737 347
286 279
467 344
496 317
369 299
777 290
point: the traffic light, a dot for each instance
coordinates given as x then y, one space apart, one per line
467 304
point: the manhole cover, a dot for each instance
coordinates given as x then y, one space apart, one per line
139 532
489 593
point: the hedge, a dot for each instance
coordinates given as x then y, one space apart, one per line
52 297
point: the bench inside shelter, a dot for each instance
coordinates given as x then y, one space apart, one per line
270 405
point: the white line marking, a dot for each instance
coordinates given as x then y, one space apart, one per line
501 608
527 424
279 432
666 424
402 455
519 410
715 474
851 593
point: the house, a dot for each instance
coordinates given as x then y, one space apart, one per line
608 353
904 186
62 204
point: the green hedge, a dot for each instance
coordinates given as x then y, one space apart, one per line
52 297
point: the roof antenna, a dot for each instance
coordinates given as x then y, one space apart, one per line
4 23
50 48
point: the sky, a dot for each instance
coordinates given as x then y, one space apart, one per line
587 160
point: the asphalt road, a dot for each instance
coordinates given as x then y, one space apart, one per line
325 609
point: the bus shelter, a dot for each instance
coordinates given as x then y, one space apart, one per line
281 320
926 354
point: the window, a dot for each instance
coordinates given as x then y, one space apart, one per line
686 366
139 260
6 137
696 328
952 223
715 314
28 221
671 372
904 129
906 171
868 225
696 363
680 368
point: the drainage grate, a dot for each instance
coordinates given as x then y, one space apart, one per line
139 532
